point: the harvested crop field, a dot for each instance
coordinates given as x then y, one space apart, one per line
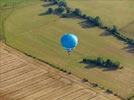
24 78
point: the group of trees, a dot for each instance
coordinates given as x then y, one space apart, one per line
99 61
114 31
62 5
95 21
66 11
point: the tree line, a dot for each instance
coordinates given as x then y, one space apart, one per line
65 11
105 63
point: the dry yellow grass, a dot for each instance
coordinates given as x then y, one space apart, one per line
24 78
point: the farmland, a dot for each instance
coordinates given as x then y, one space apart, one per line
28 30
128 29
112 13
24 78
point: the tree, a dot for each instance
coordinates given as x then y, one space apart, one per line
132 43
114 29
54 1
62 4
89 19
84 16
108 63
99 61
59 10
97 21
50 10
77 12
68 10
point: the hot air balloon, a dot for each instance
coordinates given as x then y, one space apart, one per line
69 42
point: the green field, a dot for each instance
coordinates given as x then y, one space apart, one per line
13 3
129 29
38 35
112 12
6 9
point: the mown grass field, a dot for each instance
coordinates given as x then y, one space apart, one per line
0 24
38 35
117 12
6 9
13 3
129 29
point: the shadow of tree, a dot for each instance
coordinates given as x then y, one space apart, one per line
43 14
72 16
84 24
105 33
129 48
91 66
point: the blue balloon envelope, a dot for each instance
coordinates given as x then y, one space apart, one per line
69 42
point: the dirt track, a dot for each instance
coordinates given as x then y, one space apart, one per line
24 78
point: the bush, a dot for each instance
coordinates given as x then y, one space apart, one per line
115 94
109 91
50 10
64 15
90 20
84 60
62 4
97 21
84 80
77 12
61 69
95 85
69 73
84 16
68 10
59 10
64 71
